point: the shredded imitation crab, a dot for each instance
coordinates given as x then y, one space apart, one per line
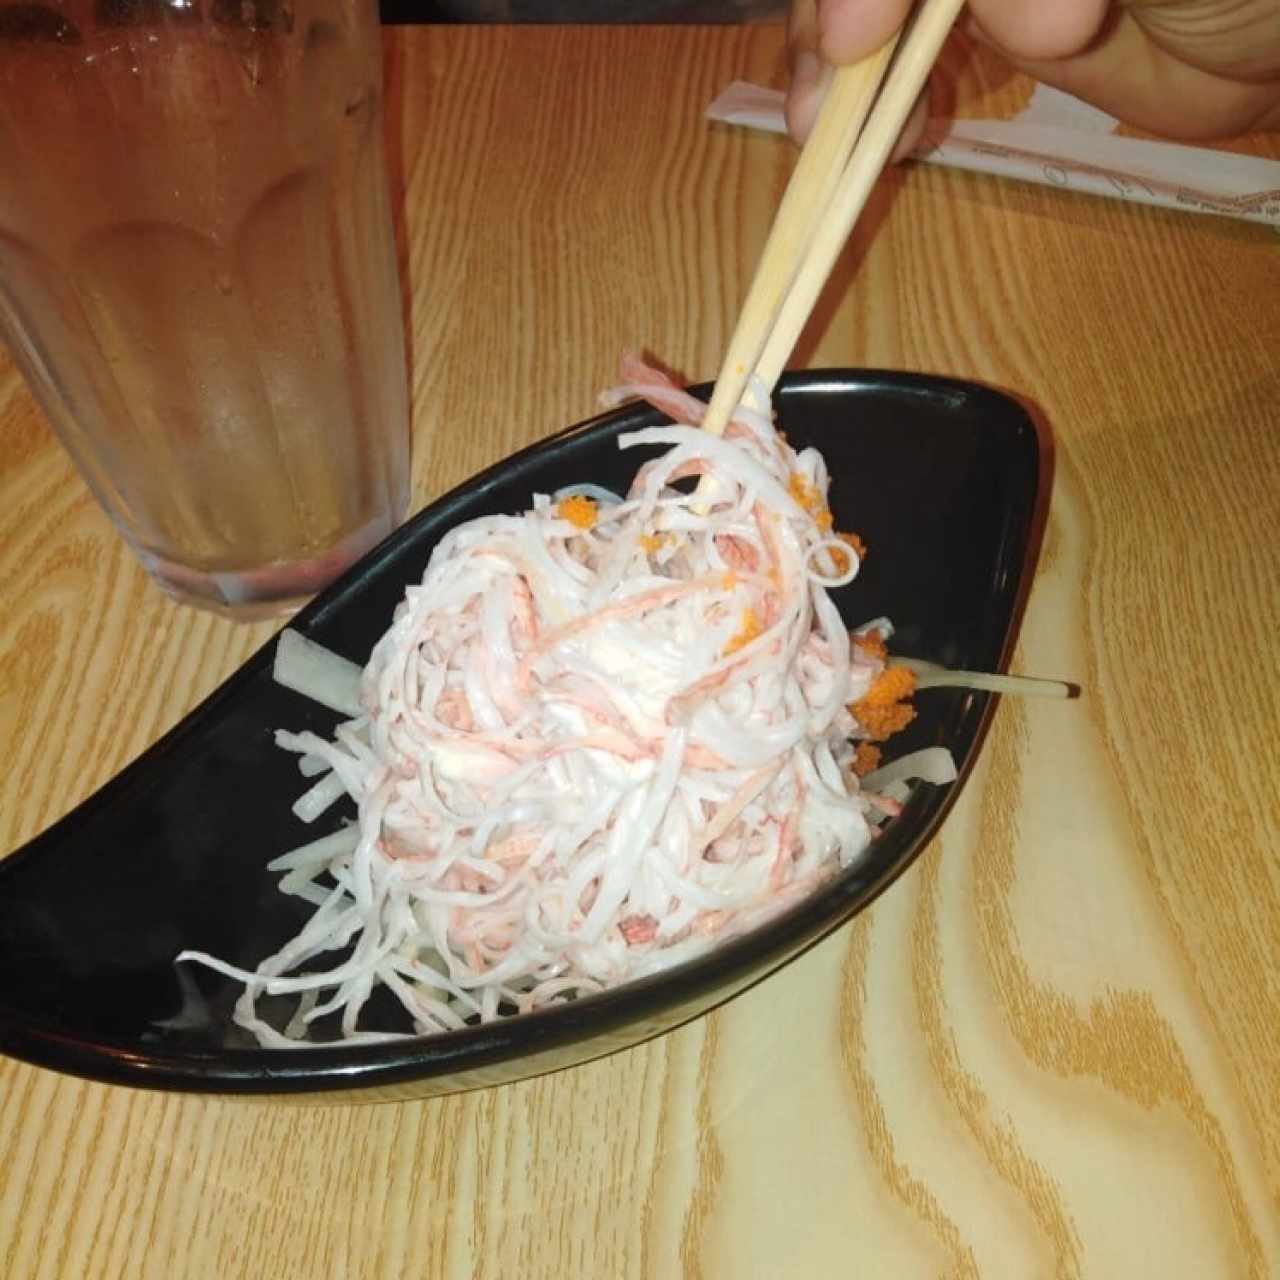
598 738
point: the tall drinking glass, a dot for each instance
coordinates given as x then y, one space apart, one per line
198 280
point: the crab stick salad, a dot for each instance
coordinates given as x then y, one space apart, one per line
598 738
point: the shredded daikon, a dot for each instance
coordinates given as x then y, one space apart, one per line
310 669
598 738
930 675
930 764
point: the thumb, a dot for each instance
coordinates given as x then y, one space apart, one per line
808 72
850 30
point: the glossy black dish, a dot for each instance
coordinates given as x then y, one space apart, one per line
943 481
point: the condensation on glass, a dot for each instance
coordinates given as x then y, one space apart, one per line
198 280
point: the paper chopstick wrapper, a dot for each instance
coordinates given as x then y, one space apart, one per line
1059 141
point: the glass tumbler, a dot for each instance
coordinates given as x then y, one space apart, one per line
198 280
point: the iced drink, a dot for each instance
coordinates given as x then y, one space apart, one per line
198 280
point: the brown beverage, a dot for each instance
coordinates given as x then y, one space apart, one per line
198 279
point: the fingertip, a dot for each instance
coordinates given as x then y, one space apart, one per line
850 30
808 81
971 29
1032 30
799 115
806 68
913 130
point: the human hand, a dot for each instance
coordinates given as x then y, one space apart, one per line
1190 69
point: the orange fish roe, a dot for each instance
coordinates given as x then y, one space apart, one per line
802 491
891 685
883 711
865 758
810 499
883 722
859 547
651 542
872 644
747 632
578 510
838 557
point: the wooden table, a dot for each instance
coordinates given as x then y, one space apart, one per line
1054 1047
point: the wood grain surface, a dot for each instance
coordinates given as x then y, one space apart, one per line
1053 1049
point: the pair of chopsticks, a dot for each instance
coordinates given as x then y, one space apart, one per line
853 136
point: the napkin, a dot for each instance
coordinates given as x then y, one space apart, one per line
1059 141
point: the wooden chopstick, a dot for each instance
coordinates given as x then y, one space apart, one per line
811 188
810 229
917 53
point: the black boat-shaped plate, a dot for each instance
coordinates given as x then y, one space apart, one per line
943 481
